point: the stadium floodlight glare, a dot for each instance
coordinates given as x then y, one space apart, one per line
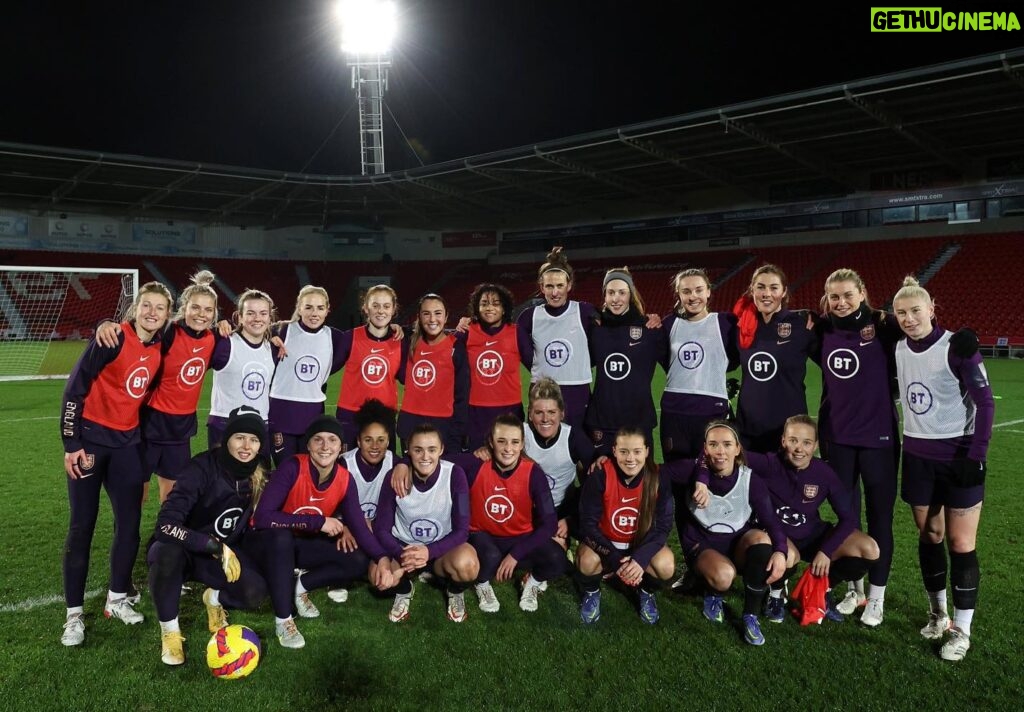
367 26
367 30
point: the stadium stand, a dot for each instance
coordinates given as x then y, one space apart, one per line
881 263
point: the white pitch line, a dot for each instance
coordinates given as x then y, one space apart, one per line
1008 423
29 603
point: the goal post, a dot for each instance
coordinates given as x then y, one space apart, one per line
47 314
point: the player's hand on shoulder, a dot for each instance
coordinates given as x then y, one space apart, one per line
401 479
108 333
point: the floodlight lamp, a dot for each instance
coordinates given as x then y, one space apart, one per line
367 26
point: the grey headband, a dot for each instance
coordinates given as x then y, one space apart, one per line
624 276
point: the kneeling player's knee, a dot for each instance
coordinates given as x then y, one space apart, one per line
664 564
587 561
465 568
721 577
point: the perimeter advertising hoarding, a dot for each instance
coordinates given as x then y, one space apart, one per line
477 238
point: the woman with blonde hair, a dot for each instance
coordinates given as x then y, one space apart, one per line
948 411
243 366
203 534
168 417
702 350
858 421
311 351
373 356
99 425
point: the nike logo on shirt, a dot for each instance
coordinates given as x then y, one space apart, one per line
865 343
143 358
425 353
780 343
500 489
317 499
629 499
634 343
375 351
198 349
490 343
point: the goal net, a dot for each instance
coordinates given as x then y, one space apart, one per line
47 314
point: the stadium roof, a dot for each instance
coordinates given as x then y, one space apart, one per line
953 116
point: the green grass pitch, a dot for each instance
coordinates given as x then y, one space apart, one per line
355 659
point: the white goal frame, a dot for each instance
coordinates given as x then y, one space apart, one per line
129 271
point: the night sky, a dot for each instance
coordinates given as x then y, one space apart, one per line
262 83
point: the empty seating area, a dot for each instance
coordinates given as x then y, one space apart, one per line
966 289
972 288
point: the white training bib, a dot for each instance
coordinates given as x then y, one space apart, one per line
699 362
425 517
244 380
369 492
555 461
301 375
560 347
728 513
936 406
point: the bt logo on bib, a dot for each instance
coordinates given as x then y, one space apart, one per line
425 531
374 370
919 398
254 382
557 353
423 373
499 508
624 520
307 369
489 365
192 371
690 355
137 382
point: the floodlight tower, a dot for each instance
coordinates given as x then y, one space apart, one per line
367 28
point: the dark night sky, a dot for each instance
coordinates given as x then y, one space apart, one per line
261 83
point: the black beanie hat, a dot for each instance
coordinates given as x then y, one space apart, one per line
245 420
325 424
